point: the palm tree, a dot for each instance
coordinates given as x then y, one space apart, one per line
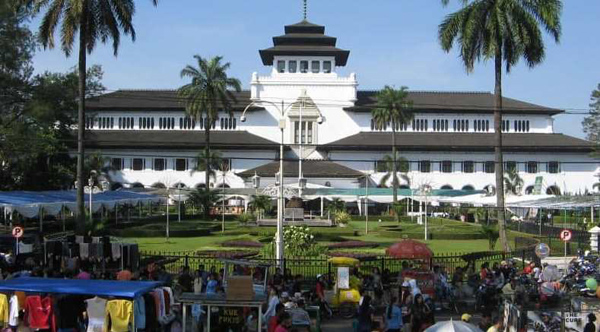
207 93
387 165
94 20
394 109
202 161
336 205
505 31
513 183
97 167
262 204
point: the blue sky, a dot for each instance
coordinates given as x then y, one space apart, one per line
391 42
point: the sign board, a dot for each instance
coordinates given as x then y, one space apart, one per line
537 187
343 278
17 232
566 235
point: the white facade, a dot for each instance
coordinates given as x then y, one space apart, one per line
568 167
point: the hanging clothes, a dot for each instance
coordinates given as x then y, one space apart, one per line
151 313
119 314
140 313
68 311
13 315
116 251
4 308
22 298
84 250
79 239
96 311
38 312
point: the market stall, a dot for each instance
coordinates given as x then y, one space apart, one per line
105 295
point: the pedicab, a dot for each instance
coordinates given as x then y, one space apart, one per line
346 295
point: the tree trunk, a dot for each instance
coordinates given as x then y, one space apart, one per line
498 151
207 173
80 229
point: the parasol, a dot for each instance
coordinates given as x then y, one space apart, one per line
409 249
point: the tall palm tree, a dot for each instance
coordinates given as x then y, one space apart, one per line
98 167
209 91
387 165
513 183
209 164
505 31
94 20
393 109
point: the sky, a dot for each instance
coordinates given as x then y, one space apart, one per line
391 42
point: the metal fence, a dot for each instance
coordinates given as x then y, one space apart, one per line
313 266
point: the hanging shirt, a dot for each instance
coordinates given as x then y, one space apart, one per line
13 315
119 314
68 311
4 309
38 311
96 309
140 313
22 297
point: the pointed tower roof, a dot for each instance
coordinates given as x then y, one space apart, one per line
304 38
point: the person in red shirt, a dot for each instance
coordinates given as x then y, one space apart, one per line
320 293
485 270
529 268
285 322
273 321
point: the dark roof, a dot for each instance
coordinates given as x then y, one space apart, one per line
304 38
434 101
174 139
143 100
460 141
310 168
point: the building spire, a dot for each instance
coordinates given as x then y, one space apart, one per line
305 9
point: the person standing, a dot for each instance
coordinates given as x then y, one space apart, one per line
421 313
590 326
393 316
365 315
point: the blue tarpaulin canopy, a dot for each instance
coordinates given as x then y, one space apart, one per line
120 289
29 203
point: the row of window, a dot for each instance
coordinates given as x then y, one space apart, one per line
457 125
158 164
186 123
316 66
307 132
448 166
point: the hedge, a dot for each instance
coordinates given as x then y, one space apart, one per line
432 235
141 232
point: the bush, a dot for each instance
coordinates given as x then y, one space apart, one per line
357 255
227 254
245 218
342 218
242 244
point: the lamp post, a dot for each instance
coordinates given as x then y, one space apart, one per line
425 190
282 109
91 186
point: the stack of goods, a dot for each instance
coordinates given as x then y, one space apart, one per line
150 312
240 288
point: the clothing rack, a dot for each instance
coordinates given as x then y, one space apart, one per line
128 252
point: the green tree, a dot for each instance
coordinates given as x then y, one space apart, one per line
98 168
208 92
336 205
591 123
93 21
262 204
204 199
393 109
492 234
387 165
513 183
505 31
210 164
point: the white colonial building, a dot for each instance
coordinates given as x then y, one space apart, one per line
448 145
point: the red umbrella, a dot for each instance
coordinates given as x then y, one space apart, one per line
409 249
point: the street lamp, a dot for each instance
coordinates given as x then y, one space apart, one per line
91 186
425 190
282 109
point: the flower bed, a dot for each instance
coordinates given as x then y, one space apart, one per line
227 254
352 245
242 244
359 256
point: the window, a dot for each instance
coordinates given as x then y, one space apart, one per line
315 67
296 132
117 163
425 166
160 164
468 167
307 132
181 164
327 67
138 164
280 66
510 166
532 167
292 66
304 67
553 167
446 166
489 167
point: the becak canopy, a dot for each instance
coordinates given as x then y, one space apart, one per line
409 249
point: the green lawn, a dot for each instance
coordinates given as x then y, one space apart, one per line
328 235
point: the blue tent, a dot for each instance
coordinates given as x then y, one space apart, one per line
119 289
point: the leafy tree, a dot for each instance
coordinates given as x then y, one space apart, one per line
208 92
505 31
492 234
513 183
93 21
393 109
98 167
387 165
215 163
591 123
262 204
205 199
336 205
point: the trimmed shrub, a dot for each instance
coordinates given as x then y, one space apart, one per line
352 245
227 254
357 255
241 244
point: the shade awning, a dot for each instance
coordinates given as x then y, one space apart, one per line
122 289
